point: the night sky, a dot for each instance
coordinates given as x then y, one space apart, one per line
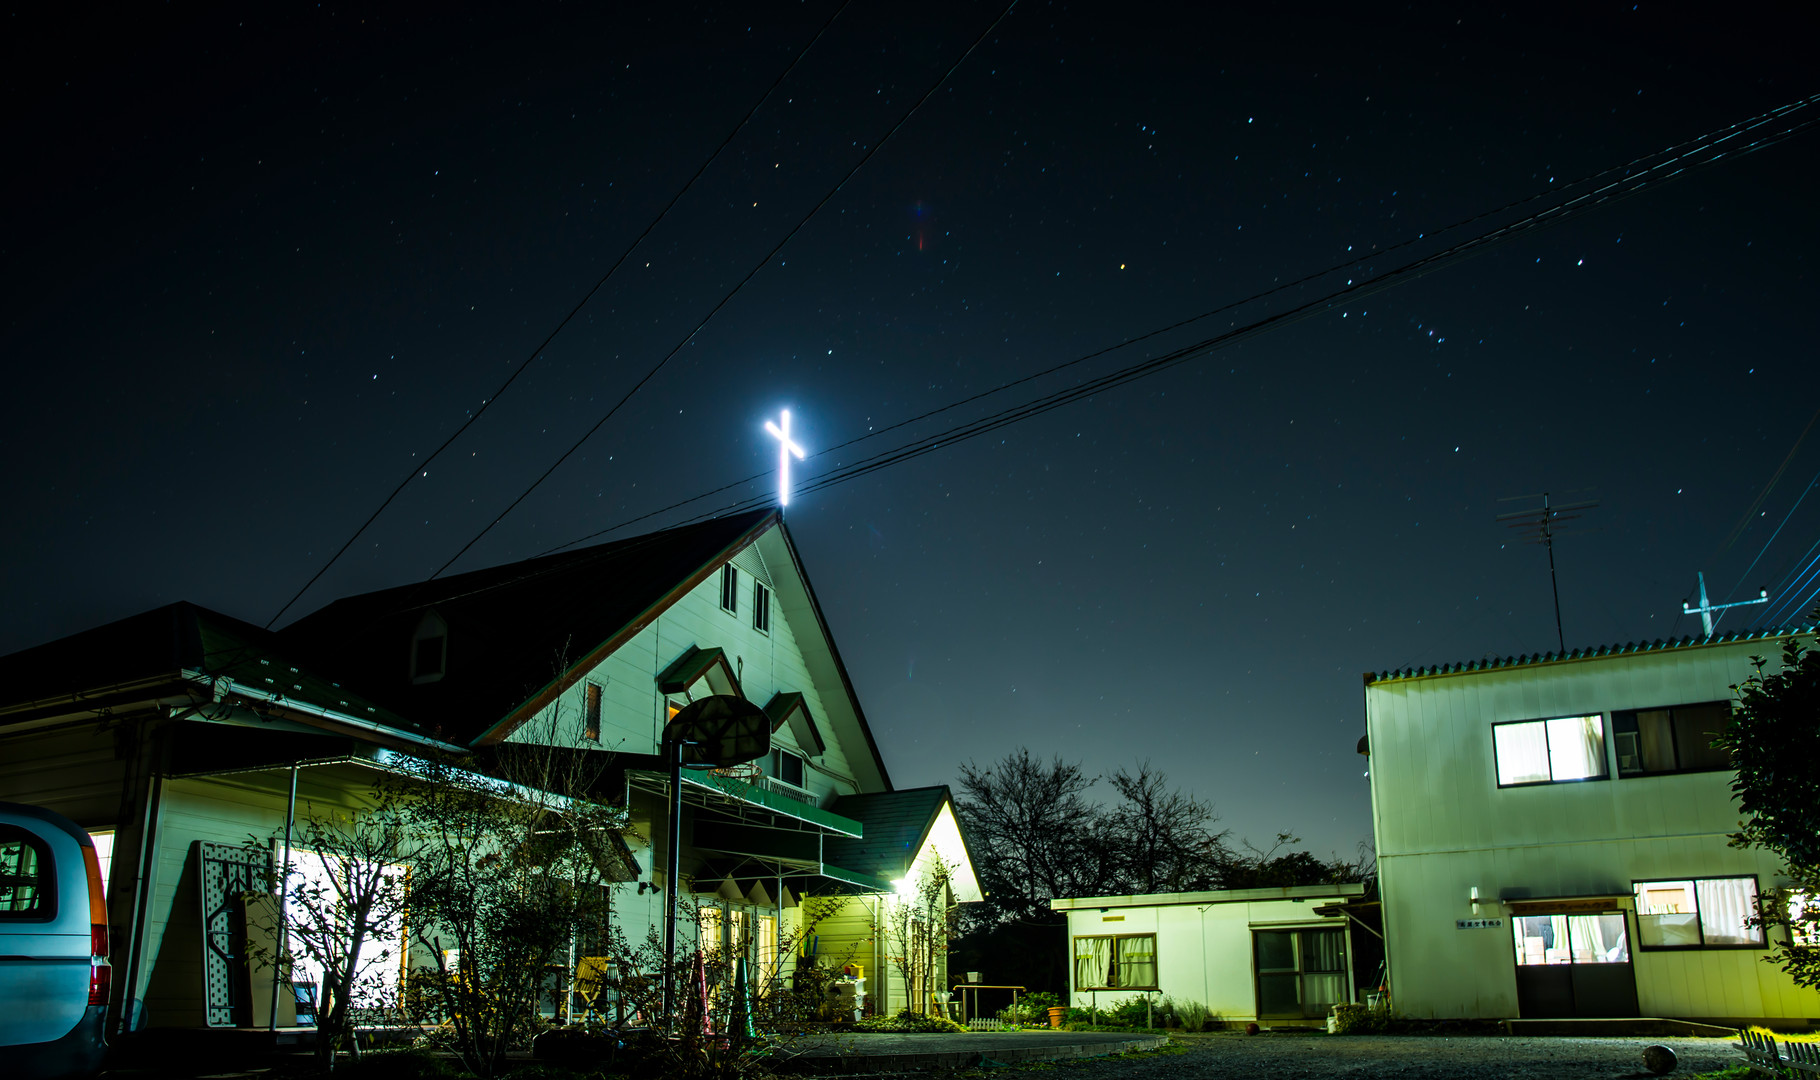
261 260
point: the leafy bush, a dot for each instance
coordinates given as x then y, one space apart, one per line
412 1064
1190 1015
1041 1000
1134 1012
908 1021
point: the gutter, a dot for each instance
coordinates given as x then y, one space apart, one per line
222 686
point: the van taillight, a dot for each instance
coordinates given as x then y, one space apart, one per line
100 974
100 979
97 904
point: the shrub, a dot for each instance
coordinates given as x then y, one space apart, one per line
1191 1015
908 1021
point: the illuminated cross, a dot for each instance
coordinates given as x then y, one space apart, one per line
784 450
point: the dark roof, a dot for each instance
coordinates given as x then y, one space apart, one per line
895 824
515 632
162 645
1531 659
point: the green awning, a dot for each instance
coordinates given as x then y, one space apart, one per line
735 788
863 882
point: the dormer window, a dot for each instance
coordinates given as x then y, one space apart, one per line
729 589
429 649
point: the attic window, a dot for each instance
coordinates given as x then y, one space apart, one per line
761 608
729 588
429 649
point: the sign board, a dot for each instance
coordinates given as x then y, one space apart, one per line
1477 924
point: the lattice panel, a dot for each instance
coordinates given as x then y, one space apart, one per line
227 874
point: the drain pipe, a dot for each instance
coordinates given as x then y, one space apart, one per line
282 936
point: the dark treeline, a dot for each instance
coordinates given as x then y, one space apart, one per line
1040 830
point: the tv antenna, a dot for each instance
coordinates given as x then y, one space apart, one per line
1706 610
1539 525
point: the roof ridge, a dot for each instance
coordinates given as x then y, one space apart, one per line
1588 652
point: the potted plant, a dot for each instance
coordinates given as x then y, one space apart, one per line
1043 1000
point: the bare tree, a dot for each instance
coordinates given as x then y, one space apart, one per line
344 901
1165 836
921 923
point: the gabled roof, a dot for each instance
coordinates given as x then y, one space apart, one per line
518 635
896 826
515 631
173 645
1591 653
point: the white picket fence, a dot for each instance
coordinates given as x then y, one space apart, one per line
1791 1059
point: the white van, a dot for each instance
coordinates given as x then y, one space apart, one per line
54 974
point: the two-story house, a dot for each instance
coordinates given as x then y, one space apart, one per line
1551 838
178 735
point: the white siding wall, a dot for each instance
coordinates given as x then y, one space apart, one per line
1444 826
1204 951
632 708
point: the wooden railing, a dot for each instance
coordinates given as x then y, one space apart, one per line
1791 1059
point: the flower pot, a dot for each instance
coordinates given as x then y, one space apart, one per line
1056 1012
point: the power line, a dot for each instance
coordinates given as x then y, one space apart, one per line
1669 168
715 310
422 467
1672 165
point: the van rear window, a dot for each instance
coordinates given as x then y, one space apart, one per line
28 879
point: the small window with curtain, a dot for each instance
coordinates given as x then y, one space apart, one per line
590 713
1557 751
1698 913
729 588
1115 962
1650 742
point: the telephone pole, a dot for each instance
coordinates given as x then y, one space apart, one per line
1706 610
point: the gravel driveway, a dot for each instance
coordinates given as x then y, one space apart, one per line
1321 1057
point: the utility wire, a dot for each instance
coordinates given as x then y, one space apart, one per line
715 310
1704 151
485 403
1743 522
1674 154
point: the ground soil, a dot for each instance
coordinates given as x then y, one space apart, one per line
1278 1056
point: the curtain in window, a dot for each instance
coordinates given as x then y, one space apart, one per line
1522 753
1598 939
1576 747
1092 962
1137 961
1724 905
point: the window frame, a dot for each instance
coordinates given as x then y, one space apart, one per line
1155 959
1674 741
761 607
729 589
47 877
593 695
1762 942
777 767
1604 750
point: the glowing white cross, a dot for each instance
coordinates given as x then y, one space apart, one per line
782 435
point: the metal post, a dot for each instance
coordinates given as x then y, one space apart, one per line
1548 541
282 937
1706 611
672 868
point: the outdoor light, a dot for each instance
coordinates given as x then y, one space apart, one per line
1475 899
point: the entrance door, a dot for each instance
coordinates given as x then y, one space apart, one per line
1301 973
1574 965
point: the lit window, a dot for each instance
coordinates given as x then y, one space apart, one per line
1804 920
729 588
1550 751
1121 961
1677 739
1696 913
1571 939
590 717
761 608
